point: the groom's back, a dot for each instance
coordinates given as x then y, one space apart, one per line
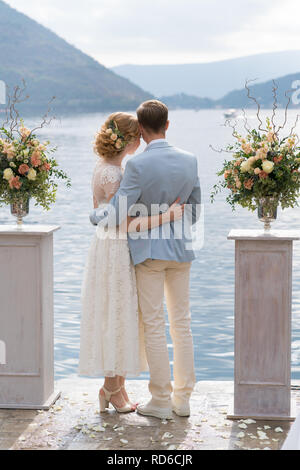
166 173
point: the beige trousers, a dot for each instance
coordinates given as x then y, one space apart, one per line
154 279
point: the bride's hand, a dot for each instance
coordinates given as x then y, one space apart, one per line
175 211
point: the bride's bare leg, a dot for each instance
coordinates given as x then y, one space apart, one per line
112 384
122 384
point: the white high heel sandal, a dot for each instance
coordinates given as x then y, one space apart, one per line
106 400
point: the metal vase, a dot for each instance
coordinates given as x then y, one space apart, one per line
267 211
20 209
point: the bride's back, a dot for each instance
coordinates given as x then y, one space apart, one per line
106 181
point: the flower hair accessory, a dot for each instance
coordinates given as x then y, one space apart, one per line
115 135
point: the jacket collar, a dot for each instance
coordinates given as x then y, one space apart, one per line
157 145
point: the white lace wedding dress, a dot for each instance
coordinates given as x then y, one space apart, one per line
112 340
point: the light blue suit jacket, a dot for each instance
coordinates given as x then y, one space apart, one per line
158 176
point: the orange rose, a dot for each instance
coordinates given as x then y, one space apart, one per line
263 175
46 167
249 183
15 183
23 169
278 159
36 159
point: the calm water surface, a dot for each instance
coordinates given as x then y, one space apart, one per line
212 283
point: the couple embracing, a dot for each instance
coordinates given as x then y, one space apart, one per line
137 259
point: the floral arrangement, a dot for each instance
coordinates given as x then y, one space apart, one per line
264 165
27 167
115 135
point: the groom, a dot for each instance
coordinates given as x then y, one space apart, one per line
155 178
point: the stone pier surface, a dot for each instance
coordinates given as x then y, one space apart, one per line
74 423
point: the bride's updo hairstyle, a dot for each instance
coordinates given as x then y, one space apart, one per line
119 130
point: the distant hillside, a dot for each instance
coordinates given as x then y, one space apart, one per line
263 93
183 101
238 98
213 80
51 67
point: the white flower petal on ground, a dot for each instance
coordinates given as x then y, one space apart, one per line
278 429
167 435
249 421
123 441
98 429
238 444
262 435
172 447
267 427
119 429
240 435
242 426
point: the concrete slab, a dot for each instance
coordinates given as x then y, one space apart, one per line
74 423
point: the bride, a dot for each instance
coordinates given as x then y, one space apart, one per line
112 342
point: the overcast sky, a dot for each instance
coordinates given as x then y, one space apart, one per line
169 31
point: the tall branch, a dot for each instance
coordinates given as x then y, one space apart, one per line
46 121
275 102
257 104
285 111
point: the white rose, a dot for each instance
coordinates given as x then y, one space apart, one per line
245 166
8 174
31 175
268 166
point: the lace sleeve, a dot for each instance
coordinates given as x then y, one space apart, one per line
110 179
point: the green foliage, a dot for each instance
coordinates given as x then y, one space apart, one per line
27 169
263 166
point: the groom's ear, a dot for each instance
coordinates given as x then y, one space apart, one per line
167 125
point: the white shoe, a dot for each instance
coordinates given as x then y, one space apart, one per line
184 410
105 400
155 411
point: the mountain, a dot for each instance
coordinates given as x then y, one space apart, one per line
184 101
212 80
263 93
52 67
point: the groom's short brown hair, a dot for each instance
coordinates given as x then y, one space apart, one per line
153 115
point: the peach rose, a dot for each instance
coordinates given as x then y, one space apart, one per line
23 169
227 173
36 159
46 167
249 183
25 133
278 159
15 183
257 171
263 175
238 183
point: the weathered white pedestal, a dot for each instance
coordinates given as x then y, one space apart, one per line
26 317
263 291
